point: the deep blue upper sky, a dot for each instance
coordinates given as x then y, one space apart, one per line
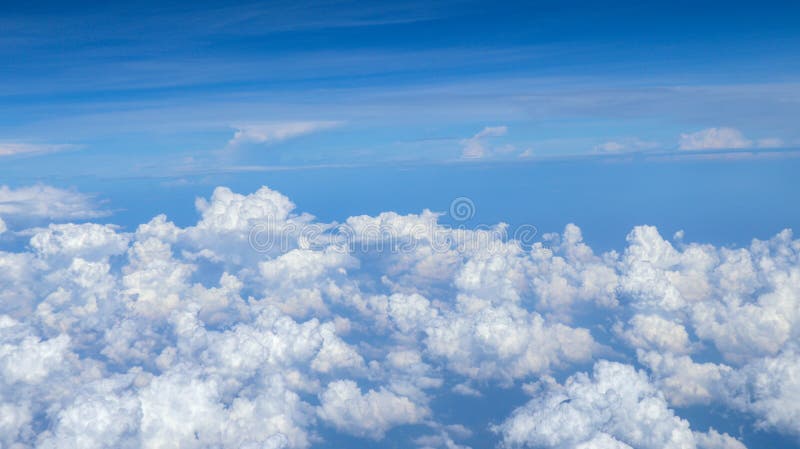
404 80
202 93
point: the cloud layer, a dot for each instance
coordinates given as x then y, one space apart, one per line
41 202
30 149
723 138
198 337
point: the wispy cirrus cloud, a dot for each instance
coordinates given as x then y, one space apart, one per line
625 145
30 149
476 146
723 138
267 133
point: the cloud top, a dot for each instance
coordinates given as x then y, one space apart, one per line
190 336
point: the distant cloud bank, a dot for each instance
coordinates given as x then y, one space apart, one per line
723 138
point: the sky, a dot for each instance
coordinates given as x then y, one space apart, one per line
438 224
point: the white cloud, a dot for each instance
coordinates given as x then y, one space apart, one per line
723 138
231 212
88 241
610 147
683 381
625 145
770 388
368 414
503 342
770 142
475 147
615 407
303 281
29 359
655 332
565 272
715 440
3 226
527 153
45 202
714 139
266 133
30 149
189 337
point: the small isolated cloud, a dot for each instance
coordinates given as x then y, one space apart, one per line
266 133
475 147
465 389
527 153
46 202
610 147
770 142
16 148
723 138
625 146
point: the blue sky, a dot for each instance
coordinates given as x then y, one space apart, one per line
649 149
160 90
99 96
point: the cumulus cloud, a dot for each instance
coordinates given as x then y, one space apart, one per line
202 336
506 342
88 241
266 133
655 332
476 146
368 414
615 407
41 202
723 138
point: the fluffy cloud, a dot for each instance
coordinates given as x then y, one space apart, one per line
655 332
743 302
482 341
770 388
370 414
203 336
88 241
615 407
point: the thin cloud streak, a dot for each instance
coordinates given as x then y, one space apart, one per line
32 149
268 133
